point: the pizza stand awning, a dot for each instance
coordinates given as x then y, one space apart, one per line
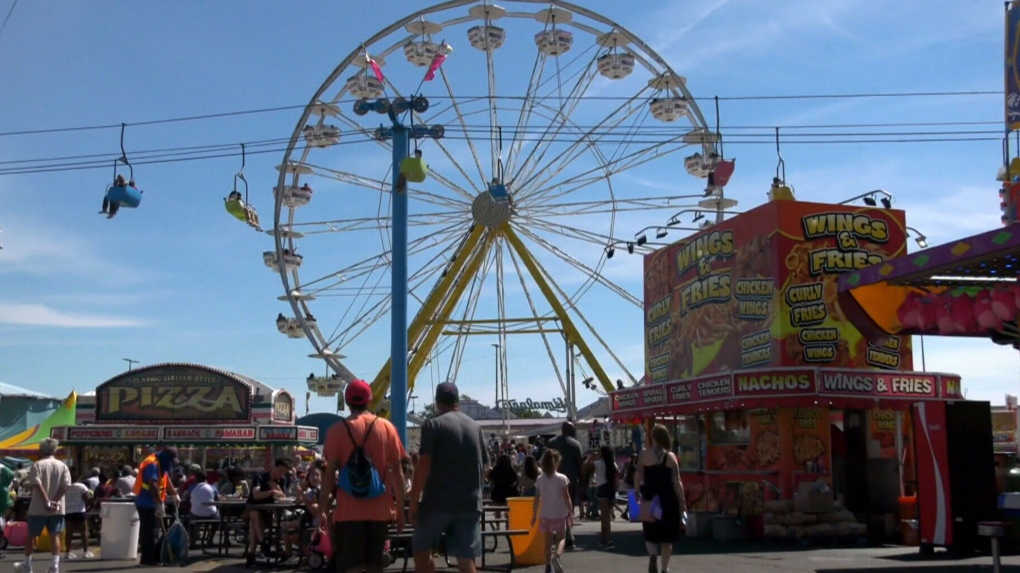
967 287
786 388
215 436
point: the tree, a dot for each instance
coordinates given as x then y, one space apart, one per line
527 414
429 411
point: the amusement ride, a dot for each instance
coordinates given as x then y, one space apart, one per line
512 164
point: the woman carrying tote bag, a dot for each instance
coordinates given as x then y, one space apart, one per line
658 476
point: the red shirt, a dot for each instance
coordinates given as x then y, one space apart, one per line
383 447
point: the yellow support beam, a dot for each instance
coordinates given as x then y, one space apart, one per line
381 384
432 335
573 335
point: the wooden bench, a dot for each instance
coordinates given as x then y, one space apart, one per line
403 539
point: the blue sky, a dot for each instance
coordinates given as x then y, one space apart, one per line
178 280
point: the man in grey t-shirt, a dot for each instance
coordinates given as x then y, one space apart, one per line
446 495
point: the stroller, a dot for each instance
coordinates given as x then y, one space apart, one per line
321 550
174 542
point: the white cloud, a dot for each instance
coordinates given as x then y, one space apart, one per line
34 249
41 315
988 370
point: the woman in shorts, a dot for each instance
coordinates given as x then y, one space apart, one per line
76 506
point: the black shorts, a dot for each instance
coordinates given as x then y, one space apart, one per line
74 518
606 491
359 543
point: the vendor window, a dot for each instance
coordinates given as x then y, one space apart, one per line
729 428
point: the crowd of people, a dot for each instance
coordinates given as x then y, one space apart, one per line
366 487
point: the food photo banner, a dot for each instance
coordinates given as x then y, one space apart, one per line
725 391
760 291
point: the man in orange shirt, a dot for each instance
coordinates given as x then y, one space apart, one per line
360 521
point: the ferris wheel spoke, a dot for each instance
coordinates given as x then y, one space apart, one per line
577 312
470 308
536 181
384 187
369 135
438 176
538 319
571 232
381 260
493 113
617 166
555 127
445 181
373 223
576 208
456 105
368 316
527 105
588 271
573 98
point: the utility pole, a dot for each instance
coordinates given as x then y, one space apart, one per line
495 348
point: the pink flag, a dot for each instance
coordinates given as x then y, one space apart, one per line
377 70
375 67
437 61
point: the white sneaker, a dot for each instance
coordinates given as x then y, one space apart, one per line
70 556
89 555
22 567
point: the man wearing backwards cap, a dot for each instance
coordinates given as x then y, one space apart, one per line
446 496
360 523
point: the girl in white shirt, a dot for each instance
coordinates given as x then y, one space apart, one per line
552 493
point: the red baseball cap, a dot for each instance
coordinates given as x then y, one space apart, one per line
358 393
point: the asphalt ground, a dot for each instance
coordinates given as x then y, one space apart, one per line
629 555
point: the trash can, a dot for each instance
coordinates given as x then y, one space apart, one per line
119 534
528 549
43 543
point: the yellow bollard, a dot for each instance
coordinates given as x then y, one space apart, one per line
528 549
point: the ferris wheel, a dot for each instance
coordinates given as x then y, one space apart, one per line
546 130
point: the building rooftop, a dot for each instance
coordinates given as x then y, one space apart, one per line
12 390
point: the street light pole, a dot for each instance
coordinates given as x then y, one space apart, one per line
495 348
130 362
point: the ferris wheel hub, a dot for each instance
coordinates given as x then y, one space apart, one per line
490 211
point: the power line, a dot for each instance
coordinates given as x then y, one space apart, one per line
819 139
257 111
7 17
586 131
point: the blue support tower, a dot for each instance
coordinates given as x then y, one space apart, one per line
398 312
401 136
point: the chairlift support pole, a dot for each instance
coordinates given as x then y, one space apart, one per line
398 315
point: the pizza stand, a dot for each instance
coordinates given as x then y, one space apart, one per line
789 421
215 418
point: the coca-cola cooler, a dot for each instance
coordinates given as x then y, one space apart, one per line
955 473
